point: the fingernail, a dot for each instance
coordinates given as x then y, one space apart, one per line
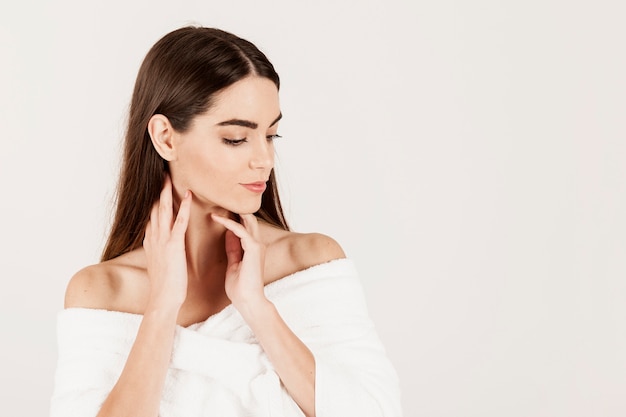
187 193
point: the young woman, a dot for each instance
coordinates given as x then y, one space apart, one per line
205 303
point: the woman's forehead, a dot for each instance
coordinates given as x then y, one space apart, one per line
252 99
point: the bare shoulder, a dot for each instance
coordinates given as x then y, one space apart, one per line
314 248
91 287
290 252
105 285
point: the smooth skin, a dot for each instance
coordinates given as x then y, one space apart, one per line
197 259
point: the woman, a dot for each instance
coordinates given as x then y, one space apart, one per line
205 303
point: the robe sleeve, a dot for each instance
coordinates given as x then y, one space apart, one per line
354 376
89 362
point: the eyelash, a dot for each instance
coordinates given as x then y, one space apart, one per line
237 142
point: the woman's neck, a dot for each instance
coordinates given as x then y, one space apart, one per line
204 245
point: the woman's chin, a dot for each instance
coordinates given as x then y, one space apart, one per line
239 207
243 207
248 209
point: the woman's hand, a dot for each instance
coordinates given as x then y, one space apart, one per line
164 244
246 260
292 360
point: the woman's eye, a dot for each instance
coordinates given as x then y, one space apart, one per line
272 137
234 142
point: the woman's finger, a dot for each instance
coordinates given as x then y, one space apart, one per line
238 229
251 224
154 216
146 236
166 207
248 242
234 252
182 218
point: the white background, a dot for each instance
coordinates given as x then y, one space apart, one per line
468 155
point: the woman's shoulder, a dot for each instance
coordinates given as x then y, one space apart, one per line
102 285
289 252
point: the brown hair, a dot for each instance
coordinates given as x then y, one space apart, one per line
178 78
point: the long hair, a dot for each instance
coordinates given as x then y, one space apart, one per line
179 78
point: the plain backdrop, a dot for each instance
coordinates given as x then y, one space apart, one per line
468 155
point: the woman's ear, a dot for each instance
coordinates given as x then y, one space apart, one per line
162 135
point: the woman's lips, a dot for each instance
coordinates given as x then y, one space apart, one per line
255 187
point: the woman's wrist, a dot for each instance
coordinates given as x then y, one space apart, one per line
162 312
255 309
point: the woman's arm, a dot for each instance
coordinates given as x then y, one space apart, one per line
138 391
139 388
293 361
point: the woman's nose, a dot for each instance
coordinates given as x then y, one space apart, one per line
263 155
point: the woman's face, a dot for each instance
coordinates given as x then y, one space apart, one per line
226 156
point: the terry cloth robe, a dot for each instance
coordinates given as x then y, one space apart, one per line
219 369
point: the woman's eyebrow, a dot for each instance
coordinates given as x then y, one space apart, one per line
246 123
280 116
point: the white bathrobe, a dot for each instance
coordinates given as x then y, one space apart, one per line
218 367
